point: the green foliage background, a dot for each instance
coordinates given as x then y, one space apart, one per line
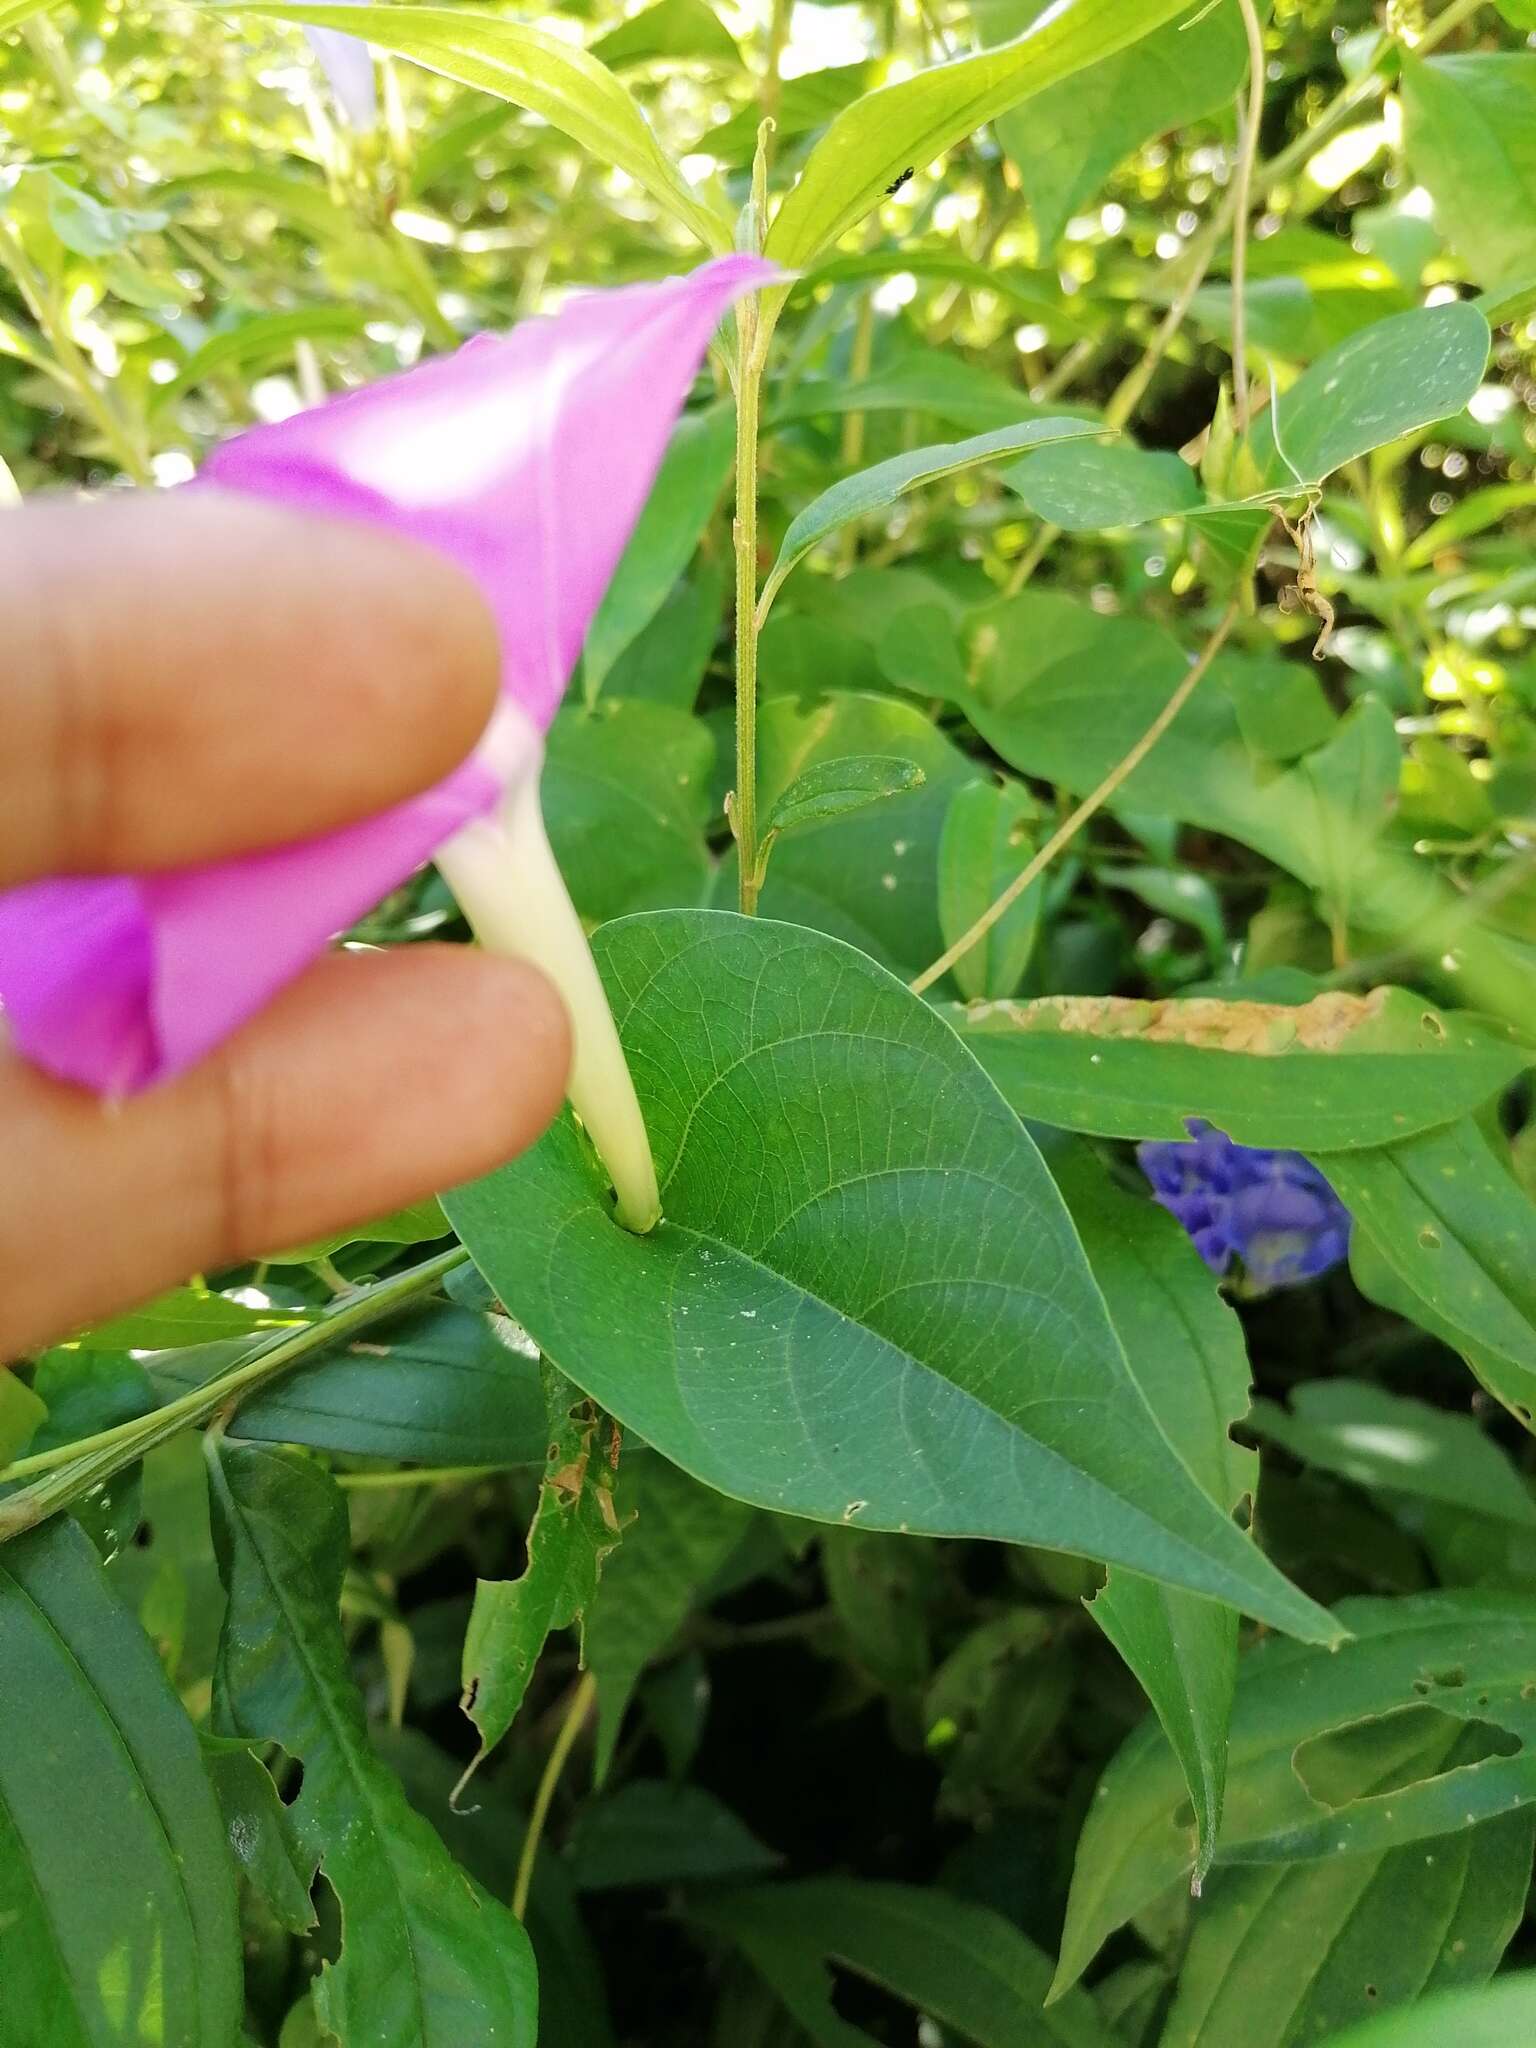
847 1616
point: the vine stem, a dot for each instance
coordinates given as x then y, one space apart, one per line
1242 200
576 1712
92 1460
755 330
1066 832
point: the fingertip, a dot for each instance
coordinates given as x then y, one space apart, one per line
424 670
513 1055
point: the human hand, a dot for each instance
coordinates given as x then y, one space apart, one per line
192 676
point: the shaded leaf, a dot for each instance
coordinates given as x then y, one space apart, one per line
677 1536
687 488
632 775
1333 1754
438 1386
427 1958
652 1832
833 789
260 1835
1490 2018
1084 489
961 1964
1348 1937
986 843
1185 1346
1395 1445
117 1893
1443 1234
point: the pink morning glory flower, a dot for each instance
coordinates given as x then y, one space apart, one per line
525 459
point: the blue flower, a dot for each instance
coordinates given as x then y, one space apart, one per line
1272 1210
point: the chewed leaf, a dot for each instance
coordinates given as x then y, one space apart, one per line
574 1527
1340 1071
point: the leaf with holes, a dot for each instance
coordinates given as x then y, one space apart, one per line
574 1527
1422 1724
427 1960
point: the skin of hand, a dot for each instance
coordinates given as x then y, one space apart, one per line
192 676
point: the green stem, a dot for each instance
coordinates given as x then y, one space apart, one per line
575 1715
418 1475
754 330
1242 200
92 1460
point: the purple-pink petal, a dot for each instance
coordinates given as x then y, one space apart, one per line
525 460
117 981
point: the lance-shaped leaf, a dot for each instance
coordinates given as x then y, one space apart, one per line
960 1963
867 1303
871 490
117 1893
919 118
1443 1235
1309 1730
1187 1346
563 84
428 1960
1339 1073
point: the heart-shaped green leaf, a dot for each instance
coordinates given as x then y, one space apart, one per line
866 1302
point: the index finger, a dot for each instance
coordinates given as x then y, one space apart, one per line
193 675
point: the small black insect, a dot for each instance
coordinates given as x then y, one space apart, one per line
896 184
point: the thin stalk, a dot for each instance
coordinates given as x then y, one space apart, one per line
755 330
851 454
1069 829
418 1475
1242 200
576 1712
72 1469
